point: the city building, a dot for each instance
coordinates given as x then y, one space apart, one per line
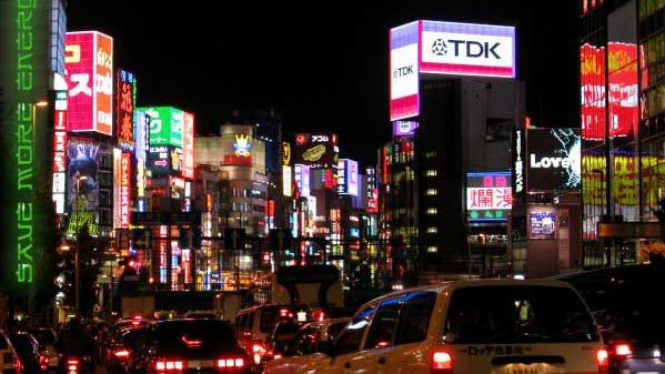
623 128
453 109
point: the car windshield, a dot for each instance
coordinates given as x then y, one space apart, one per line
193 337
272 315
518 314
22 343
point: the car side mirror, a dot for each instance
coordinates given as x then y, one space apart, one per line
327 347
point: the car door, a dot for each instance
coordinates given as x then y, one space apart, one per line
348 357
410 351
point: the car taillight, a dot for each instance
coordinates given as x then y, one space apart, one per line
72 365
442 362
231 363
603 361
43 362
18 366
258 350
622 350
168 366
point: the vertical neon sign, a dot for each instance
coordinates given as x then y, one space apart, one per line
24 156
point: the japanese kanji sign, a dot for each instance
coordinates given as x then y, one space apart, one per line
489 196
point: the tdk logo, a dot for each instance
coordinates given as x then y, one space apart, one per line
465 48
403 71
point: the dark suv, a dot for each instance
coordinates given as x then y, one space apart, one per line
625 302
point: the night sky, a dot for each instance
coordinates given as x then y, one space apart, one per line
325 66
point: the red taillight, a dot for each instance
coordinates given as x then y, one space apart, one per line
168 366
43 362
603 360
442 362
231 363
121 353
18 365
623 350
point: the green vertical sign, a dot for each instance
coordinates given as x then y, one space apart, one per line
24 139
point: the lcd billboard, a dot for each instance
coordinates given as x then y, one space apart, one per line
316 150
489 196
166 125
592 78
83 186
89 65
554 160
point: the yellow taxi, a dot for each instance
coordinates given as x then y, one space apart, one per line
484 326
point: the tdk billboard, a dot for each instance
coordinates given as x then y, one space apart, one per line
450 48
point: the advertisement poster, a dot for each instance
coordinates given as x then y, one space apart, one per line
542 225
404 80
83 186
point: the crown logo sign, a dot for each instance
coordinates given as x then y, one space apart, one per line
241 145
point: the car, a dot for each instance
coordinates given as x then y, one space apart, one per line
27 349
254 325
46 337
280 337
10 362
189 346
481 326
129 346
306 341
623 302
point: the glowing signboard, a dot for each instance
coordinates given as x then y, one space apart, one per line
316 150
404 128
188 146
347 177
166 125
489 196
117 171
287 180
451 48
302 178
592 78
404 68
126 98
125 189
242 151
89 64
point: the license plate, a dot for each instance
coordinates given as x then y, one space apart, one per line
198 364
527 369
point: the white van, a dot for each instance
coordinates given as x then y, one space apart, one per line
486 326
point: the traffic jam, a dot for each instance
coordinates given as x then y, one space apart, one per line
567 324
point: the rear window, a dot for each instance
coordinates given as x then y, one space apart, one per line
44 337
622 303
272 315
518 314
178 337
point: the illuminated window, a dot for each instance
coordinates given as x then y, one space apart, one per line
432 249
432 192
432 211
432 230
431 173
430 154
